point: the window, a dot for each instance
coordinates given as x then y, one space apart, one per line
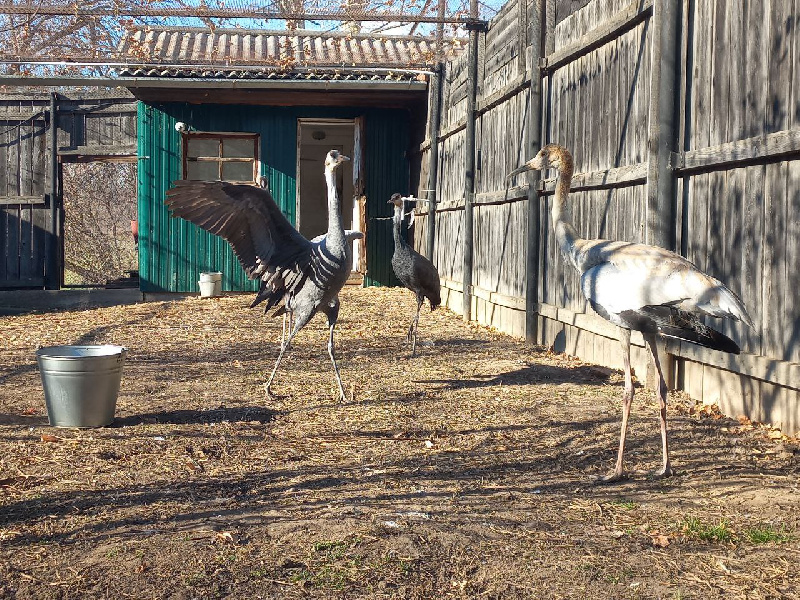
220 156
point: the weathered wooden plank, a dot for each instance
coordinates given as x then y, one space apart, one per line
779 72
604 178
776 371
720 76
774 275
700 87
732 235
755 77
623 21
794 95
13 161
752 250
741 152
22 200
11 117
737 56
791 259
12 232
99 150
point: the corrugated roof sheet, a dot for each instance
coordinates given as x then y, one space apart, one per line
242 53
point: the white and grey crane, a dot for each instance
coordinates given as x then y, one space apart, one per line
306 276
639 288
414 271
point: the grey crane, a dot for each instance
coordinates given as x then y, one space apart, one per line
305 275
639 288
414 271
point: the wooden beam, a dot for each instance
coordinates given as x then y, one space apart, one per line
98 151
517 85
741 152
33 282
663 116
771 370
605 178
23 115
22 200
623 21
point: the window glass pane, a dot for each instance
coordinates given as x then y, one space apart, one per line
203 147
238 148
205 170
237 171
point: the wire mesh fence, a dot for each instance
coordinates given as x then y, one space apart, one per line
97 36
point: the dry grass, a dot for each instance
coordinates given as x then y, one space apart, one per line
465 472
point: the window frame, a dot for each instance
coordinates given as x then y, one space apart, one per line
221 160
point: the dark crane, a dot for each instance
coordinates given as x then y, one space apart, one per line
641 288
414 271
306 276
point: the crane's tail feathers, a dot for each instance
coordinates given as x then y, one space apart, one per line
711 338
681 325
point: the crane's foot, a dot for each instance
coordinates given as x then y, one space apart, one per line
614 477
667 471
270 395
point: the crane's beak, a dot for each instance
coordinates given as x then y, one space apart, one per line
528 166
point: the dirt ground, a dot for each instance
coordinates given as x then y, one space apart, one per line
465 472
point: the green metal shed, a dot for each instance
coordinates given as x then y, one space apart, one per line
197 122
173 252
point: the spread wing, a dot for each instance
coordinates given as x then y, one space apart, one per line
248 218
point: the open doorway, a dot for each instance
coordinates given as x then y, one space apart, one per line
100 224
315 138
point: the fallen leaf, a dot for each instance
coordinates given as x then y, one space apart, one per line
50 438
660 540
225 537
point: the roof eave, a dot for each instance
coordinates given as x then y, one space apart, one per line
134 83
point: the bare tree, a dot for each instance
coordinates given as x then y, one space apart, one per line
99 205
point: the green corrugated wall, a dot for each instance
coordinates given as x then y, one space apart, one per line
173 252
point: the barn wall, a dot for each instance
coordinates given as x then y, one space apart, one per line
173 252
735 164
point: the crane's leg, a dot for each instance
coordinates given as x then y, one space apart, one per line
627 399
661 392
299 323
333 313
412 331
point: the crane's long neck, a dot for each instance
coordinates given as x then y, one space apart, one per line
335 226
397 221
566 234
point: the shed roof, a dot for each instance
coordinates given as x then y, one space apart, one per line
261 54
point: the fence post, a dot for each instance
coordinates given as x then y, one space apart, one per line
475 27
533 140
433 158
52 253
663 118
662 141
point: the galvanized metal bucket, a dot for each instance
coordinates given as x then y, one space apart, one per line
81 383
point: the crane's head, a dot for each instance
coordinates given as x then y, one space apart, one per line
334 159
551 156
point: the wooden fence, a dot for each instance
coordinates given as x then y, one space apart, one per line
684 120
97 126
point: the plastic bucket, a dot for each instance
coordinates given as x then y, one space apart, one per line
210 284
81 383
